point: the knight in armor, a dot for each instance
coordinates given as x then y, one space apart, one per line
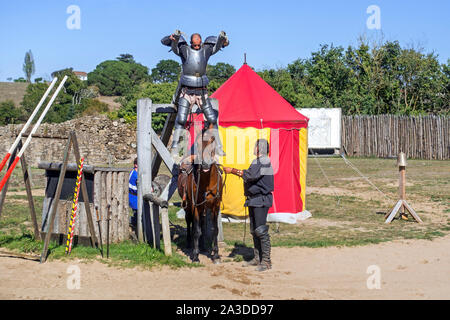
192 87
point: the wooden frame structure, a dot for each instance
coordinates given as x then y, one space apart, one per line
106 187
71 142
401 204
150 202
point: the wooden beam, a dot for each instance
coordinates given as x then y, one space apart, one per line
56 166
170 108
394 211
156 200
164 108
144 153
162 151
411 210
26 179
52 213
165 137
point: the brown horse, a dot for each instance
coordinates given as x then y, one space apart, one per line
200 185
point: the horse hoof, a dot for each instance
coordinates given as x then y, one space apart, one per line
217 261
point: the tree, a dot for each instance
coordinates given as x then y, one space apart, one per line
119 78
166 71
71 102
9 113
220 72
126 57
158 92
28 65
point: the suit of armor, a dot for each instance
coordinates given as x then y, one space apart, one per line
193 82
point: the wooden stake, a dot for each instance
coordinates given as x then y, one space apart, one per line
402 204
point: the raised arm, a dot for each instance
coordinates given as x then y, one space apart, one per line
217 43
222 42
175 41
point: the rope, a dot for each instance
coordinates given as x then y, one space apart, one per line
326 177
351 165
74 208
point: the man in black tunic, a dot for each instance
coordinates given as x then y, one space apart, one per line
258 188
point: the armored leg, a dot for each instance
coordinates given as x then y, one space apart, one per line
211 117
180 122
262 232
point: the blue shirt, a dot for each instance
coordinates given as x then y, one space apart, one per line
132 190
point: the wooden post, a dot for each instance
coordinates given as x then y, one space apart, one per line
402 204
52 212
26 177
84 192
166 232
402 186
144 153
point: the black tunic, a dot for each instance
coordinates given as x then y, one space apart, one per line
258 183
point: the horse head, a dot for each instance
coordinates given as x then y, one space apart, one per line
206 150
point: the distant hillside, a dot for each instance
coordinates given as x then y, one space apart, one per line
113 106
12 91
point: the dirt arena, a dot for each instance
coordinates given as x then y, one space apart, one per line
412 269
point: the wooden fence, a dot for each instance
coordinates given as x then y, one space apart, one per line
105 186
421 137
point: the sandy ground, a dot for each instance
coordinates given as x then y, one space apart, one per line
415 269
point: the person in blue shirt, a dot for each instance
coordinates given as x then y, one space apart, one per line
132 195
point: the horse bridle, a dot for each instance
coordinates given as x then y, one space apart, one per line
218 193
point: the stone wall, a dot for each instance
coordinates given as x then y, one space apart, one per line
102 141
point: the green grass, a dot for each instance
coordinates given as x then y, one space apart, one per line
125 254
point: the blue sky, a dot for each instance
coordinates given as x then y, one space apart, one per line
272 33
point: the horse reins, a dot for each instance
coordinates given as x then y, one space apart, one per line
218 193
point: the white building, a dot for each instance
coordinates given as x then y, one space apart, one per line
81 75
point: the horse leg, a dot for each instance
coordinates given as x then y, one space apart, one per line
197 230
204 234
188 229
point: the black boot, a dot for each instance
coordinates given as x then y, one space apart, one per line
262 232
256 251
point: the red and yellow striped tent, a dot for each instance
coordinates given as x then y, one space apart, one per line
250 109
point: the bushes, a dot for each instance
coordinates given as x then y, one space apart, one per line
94 106
9 113
117 78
